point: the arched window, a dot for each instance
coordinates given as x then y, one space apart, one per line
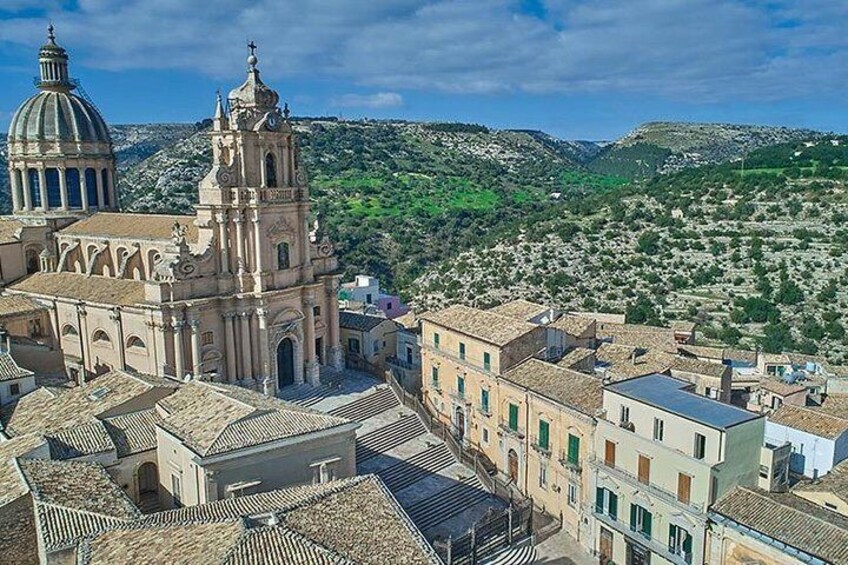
72 181
91 188
270 170
105 175
135 341
54 190
34 187
101 338
69 330
32 261
283 258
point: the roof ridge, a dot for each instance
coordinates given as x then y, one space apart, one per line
801 498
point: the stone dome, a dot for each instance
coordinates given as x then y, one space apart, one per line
58 115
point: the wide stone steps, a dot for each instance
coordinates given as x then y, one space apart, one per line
418 467
305 394
368 406
388 437
524 555
447 503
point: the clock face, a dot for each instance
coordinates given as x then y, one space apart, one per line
272 122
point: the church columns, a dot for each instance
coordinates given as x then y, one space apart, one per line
63 188
179 353
264 355
246 351
257 243
224 237
336 353
240 258
99 180
229 338
113 195
85 348
16 190
83 189
42 185
311 365
195 348
27 190
286 179
115 316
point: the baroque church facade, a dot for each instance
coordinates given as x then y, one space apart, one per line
242 292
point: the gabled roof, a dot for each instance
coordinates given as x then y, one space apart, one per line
12 305
575 357
359 322
121 225
9 369
570 388
788 519
520 309
134 432
811 421
11 483
699 367
834 482
10 229
835 404
643 337
484 325
97 289
573 325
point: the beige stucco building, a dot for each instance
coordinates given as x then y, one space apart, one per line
242 292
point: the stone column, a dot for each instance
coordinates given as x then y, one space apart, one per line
224 236
98 177
179 354
113 194
83 189
335 353
195 348
257 238
27 190
229 338
310 364
264 354
63 188
115 316
84 337
286 153
16 190
246 364
240 258
153 347
42 186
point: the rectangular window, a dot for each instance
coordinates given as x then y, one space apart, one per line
460 386
609 454
572 495
353 345
484 401
680 542
764 472
659 429
544 434
606 502
316 311
485 436
644 470
684 488
625 414
700 450
435 377
207 338
14 389
573 449
376 347
543 476
368 299
176 491
487 362
513 417
640 520
436 340
462 351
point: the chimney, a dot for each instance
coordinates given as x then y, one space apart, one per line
5 341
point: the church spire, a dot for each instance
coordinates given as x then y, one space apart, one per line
53 62
253 94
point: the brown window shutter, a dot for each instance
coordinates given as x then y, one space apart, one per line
644 470
609 454
684 487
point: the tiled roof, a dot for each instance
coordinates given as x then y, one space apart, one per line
481 324
683 326
520 309
101 290
622 362
74 499
359 322
810 421
12 305
573 325
79 441
9 369
43 411
272 545
573 389
134 432
834 482
211 422
611 353
575 356
408 320
11 486
718 353
789 519
779 387
9 230
643 337
835 404
132 226
699 367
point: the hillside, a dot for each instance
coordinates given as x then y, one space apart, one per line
759 258
667 147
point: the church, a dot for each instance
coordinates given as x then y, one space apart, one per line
241 293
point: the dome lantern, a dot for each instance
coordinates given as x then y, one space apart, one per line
53 62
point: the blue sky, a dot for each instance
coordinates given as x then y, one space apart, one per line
579 69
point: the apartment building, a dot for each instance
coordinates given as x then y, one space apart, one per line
663 454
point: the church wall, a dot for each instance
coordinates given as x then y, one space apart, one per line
12 266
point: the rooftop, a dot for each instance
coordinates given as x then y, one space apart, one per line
699 367
359 322
811 421
102 290
133 433
520 309
484 325
573 325
672 396
573 389
789 519
9 369
643 337
132 226
576 356
834 482
835 404
780 388
11 486
10 230
12 305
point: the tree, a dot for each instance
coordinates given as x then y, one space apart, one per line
648 243
643 311
777 338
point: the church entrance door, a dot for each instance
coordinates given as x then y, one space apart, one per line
285 363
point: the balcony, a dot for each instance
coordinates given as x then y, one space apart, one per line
661 493
504 429
394 361
484 410
655 545
574 467
543 450
480 368
459 396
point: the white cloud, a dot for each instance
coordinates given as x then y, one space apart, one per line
376 100
708 50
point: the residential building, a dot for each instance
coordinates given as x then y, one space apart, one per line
819 441
774 393
15 381
368 341
830 490
662 455
364 294
405 364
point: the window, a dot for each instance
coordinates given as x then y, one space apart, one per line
625 414
609 454
54 191
487 361
388 306
700 446
829 505
659 429
72 181
176 491
640 520
14 389
316 311
572 495
283 256
34 188
207 338
513 417
485 436
135 341
375 347
270 171
101 338
69 330
462 351
680 542
90 180
573 449
764 472
435 340
644 470
435 377
35 328
684 488
460 386
368 299
543 476
606 502
409 355
323 472
776 402
353 345
104 177
544 434
484 401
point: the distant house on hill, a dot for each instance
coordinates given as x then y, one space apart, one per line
364 293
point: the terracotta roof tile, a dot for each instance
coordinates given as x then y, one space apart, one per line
810 421
643 337
573 325
11 483
484 325
835 404
9 369
520 309
575 357
134 432
102 290
570 388
12 305
834 482
132 226
10 230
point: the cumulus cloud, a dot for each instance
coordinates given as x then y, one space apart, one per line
376 100
708 50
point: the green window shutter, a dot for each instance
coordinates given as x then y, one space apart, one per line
687 546
513 417
646 523
487 361
484 400
436 340
460 385
436 377
632 516
671 529
613 506
544 432
573 449
599 500
462 351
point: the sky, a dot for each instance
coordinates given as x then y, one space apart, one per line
578 69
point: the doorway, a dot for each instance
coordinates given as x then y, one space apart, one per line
285 363
459 423
605 545
512 463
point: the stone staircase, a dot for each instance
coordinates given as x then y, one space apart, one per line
368 406
388 437
524 555
419 466
447 503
